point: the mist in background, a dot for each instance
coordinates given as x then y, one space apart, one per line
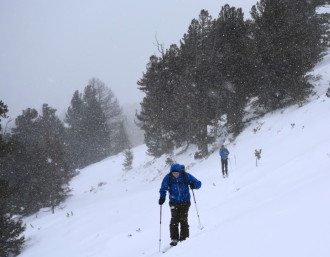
49 49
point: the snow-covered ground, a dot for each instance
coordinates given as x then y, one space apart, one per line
279 208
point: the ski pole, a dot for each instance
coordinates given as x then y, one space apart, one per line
220 164
160 228
200 226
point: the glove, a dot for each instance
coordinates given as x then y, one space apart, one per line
192 186
161 201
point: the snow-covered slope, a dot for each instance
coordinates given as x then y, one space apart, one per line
280 208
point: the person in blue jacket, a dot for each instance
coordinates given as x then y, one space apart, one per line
177 183
223 152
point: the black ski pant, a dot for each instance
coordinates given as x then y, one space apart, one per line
179 212
224 166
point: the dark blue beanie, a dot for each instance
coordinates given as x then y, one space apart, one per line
176 167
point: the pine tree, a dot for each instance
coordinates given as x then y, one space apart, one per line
198 55
161 110
38 167
171 111
96 131
75 132
3 111
233 65
88 128
11 240
55 162
57 172
26 129
106 98
128 161
287 36
113 113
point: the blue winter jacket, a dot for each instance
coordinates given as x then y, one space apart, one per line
224 153
178 190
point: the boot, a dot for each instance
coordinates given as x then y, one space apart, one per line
174 242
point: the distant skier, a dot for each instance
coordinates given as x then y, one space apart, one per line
177 183
223 152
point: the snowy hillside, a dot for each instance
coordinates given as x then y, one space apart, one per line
280 208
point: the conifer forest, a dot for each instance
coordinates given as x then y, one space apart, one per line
194 92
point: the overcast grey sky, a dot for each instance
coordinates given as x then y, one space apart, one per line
49 49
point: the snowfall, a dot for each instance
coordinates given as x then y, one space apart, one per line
276 206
